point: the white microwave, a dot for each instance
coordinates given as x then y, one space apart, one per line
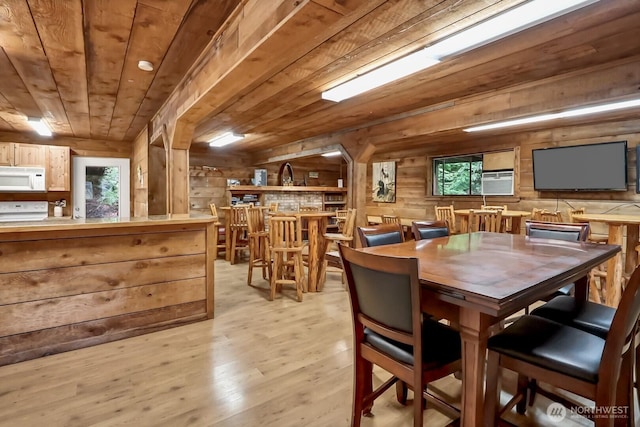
20 180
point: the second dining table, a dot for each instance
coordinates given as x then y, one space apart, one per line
515 216
478 279
316 227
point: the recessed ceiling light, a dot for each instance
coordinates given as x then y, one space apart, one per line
145 65
39 126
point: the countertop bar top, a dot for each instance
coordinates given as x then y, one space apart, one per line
291 188
59 224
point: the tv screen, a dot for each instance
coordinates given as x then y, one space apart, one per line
594 167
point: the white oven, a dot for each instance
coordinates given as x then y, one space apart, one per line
19 180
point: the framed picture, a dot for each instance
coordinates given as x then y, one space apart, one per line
384 182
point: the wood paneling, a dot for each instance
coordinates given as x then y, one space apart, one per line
64 289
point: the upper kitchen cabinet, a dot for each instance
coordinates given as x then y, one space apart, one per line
58 169
6 153
29 155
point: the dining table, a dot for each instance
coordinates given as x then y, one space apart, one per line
616 266
514 216
478 279
316 227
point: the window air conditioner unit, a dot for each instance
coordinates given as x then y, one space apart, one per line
497 183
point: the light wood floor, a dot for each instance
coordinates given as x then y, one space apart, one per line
258 363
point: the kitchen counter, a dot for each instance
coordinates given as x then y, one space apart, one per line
67 223
69 283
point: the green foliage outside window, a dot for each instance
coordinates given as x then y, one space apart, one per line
457 176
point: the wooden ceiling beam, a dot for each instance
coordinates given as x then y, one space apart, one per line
260 40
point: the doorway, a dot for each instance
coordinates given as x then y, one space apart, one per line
100 187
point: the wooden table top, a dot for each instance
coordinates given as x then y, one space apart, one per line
507 213
492 270
608 218
303 214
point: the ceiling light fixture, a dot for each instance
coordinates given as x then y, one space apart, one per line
495 28
225 139
39 126
145 65
332 154
560 115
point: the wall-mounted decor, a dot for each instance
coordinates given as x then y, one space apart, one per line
384 182
260 177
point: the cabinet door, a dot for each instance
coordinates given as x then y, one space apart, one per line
30 155
6 153
58 170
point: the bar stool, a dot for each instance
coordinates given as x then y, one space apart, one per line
332 257
237 230
258 244
285 239
220 240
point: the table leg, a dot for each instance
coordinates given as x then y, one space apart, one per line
631 256
614 268
515 225
474 331
313 236
464 224
227 238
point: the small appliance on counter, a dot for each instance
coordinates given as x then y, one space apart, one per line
23 211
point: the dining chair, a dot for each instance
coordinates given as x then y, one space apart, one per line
572 232
429 229
486 221
591 238
258 243
220 241
273 207
548 216
331 254
381 234
285 240
446 213
390 331
569 358
237 229
303 221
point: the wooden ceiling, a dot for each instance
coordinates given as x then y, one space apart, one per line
75 63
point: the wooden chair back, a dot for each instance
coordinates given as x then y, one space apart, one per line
285 232
341 216
255 220
574 232
446 213
238 217
214 211
429 229
308 209
349 223
493 208
273 207
390 219
572 212
381 234
546 216
486 221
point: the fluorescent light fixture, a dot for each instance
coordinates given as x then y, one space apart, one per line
560 115
39 126
225 139
502 25
395 70
332 154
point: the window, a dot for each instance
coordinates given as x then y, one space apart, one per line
457 176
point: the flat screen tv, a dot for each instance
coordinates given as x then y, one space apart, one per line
593 167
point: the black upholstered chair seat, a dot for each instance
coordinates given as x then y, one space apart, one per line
590 317
441 345
552 346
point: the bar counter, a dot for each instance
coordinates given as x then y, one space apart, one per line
72 283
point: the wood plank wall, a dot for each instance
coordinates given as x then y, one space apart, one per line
140 175
413 183
65 290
